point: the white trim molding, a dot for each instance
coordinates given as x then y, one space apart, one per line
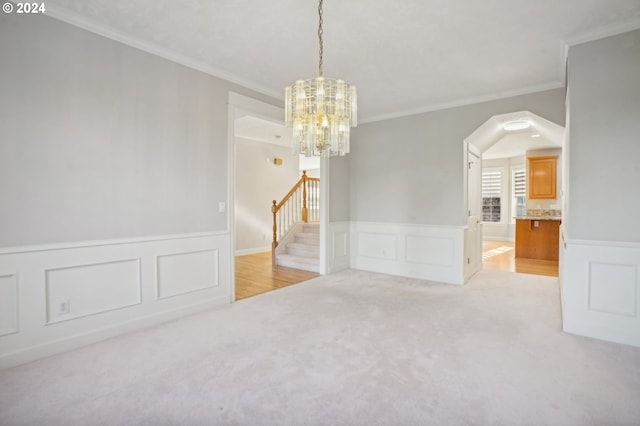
600 288
427 252
9 323
71 295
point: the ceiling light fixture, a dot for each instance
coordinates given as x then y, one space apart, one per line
535 135
516 125
321 111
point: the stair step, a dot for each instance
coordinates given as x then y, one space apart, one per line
307 239
311 228
310 264
304 250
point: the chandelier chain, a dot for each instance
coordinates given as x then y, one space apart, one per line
320 37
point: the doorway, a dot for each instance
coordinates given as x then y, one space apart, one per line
255 275
505 142
261 168
500 255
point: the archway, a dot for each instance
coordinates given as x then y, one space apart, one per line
504 136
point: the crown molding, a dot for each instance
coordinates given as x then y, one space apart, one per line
597 34
466 101
76 20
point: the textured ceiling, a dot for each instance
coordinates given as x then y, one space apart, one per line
405 56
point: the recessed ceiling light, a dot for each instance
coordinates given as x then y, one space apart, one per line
516 125
535 135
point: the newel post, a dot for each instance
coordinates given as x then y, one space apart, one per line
305 211
274 244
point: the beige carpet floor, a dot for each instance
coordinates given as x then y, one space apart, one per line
353 348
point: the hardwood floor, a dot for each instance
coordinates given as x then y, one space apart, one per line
501 255
255 275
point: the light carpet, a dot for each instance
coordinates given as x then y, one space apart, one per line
352 348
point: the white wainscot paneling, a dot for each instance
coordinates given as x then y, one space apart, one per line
430 250
378 245
8 304
182 273
58 297
613 288
80 290
419 251
339 246
601 290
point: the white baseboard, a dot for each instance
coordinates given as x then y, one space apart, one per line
486 237
75 294
419 251
600 283
38 351
256 250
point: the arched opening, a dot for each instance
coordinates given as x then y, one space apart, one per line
496 154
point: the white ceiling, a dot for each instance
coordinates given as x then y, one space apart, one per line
260 130
493 141
406 56
257 129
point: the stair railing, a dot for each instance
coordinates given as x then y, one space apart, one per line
301 204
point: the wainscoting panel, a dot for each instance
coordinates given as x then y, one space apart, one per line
339 251
430 250
182 273
81 290
8 304
58 297
420 251
378 245
613 288
600 289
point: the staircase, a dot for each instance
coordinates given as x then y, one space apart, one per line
304 252
296 228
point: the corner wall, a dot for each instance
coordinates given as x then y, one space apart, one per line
600 249
407 178
258 181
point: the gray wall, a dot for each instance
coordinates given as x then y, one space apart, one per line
257 184
100 140
410 169
604 124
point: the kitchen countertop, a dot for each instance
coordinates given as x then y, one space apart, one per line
539 217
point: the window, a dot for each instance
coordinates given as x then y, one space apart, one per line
491 195
519 191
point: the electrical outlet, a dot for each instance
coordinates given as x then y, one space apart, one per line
63 306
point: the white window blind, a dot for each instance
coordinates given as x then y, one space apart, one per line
520 183
491 195
519 193
491 183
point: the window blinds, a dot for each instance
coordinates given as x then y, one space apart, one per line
491 183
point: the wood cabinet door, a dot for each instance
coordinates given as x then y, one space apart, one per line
537 242
542 177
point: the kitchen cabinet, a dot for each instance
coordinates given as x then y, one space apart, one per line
538 238
542 177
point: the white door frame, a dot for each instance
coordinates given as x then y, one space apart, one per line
470 269
239 106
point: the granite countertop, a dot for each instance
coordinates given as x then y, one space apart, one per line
539 217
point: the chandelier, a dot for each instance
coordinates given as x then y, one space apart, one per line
321 112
